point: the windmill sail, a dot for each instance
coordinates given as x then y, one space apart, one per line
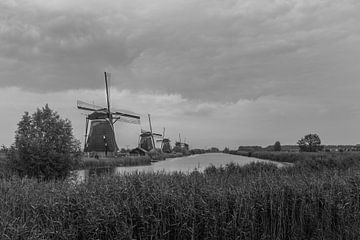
99 133
126 116
89 107
154 134
119 115
126 119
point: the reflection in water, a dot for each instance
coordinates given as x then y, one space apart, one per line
183 164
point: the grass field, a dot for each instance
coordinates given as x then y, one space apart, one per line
2 164
292 157
317 199
87 163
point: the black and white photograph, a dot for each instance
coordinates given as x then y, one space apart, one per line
180 119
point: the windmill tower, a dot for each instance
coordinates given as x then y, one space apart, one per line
181 146
147 141
99 126
165 144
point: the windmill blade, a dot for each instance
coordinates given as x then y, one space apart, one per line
157 135
126 116
89 107
107 90
127 119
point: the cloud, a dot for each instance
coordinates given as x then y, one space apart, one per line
202 50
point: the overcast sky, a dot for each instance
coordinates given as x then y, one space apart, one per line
220 72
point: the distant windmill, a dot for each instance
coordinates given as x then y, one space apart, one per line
99 128
165 144
147 141
181 146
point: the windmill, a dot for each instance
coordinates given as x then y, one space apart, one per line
99 126
165 143
146 141
181 146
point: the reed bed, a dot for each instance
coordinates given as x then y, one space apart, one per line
257 201
88 162
292 157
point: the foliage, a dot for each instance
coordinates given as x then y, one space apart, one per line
257 201
89 162
277 146
198 151
123 150
310 143
214 150
44 146
181 149
249 148
308 159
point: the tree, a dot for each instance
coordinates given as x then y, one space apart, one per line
310 143
214 150
277 146
44 146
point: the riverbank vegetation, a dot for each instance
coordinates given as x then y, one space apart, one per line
124 161
317 199
87 162
44 146
292 157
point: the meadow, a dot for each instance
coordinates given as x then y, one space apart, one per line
292 157
90 162
111 162
312 199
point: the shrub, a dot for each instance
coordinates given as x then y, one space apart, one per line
44 146
310 143
277 146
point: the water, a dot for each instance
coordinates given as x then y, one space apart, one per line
183 164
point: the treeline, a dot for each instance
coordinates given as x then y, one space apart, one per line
202 151
292 157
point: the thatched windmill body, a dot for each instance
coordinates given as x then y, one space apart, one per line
165 143
99 128
147 138
181 146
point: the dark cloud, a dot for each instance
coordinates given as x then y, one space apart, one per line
208 50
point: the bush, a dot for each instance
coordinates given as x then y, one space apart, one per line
44 146
310 143
277 146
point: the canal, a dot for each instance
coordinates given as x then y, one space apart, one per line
182 164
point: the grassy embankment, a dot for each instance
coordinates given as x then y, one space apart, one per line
3 166
292 157
87 162
313 199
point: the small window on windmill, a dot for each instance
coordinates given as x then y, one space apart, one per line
105 142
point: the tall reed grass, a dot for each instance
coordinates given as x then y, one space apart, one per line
259 201
293 157
88 162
